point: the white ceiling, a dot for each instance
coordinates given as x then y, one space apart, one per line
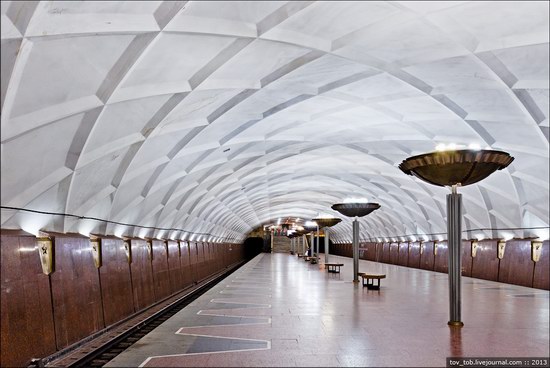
125 111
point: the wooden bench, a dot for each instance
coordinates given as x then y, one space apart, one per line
333 267
300 255
370 277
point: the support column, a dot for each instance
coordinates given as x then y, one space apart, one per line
312 238
355 250
326 244
272 232
318 245
454 239
291 245
303 245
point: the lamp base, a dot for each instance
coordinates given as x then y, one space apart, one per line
455 323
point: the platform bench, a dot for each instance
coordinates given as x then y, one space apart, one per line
333 267
370 277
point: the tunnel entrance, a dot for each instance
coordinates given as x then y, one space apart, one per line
252 247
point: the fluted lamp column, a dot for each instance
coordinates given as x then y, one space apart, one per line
291 237
355 210
311 227
326 223
454 168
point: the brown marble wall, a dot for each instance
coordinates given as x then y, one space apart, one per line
174 267
403 254
201 261
427 258
161 272
186 267
76 293
116 283
394 253
386 253
363 251
414 255
210 264
371 251
27 317
542 269
485 264
142 275
42 314
441 260
516 266
193 261
467 258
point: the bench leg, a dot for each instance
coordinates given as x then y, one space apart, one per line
370 285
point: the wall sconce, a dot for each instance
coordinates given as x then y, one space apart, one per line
166 247
435 247
475 245
45 249
536 250
501 245
421 247
128 250
150 249
96 251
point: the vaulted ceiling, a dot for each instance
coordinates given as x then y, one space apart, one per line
217 117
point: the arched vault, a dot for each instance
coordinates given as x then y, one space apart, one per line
217 117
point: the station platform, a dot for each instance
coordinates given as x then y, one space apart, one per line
278 310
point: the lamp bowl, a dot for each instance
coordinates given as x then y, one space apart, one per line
355 209
455 167
327 222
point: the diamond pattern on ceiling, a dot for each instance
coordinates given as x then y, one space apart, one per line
217 117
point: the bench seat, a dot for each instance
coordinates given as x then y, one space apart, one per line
370 277
333 267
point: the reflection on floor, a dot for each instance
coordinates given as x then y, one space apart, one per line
278 310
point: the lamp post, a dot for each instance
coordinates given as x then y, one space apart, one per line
291 237
311 227
355 210
455 168
326 223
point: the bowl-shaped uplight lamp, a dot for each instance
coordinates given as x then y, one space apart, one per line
357 209
454 168
326 222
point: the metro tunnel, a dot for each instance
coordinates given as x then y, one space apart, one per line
274 183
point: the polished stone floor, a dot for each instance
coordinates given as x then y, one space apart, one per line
278 310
